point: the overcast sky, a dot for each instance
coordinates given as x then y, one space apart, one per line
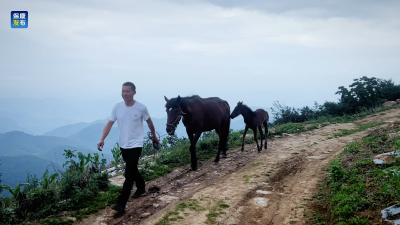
257 52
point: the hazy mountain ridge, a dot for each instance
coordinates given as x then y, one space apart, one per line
38 124
7 125
14 169
70 129
17 140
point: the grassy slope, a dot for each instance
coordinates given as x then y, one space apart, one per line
352 192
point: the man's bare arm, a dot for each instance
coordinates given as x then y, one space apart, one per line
106 131
152 129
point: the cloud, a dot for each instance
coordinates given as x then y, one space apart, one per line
289 51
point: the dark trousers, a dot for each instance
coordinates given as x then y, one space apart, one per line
131 157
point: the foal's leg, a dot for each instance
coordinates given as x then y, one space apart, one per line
266 134
244 135
261 134
255 138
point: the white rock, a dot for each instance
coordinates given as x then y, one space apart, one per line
117 180
260 201
315 157
264 192
168 198
145 215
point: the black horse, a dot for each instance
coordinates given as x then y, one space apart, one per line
199 115
253 121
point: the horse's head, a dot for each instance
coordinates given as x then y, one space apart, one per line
237 110
174 114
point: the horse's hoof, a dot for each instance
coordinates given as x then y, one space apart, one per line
242 149
223 155
215 163
194 168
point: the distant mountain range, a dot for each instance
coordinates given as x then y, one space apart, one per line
21 152
34 124
8 125
68 130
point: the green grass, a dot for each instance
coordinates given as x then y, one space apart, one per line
290 128
348 191
57 221
215 210
214 206
352 148
359 128
350 118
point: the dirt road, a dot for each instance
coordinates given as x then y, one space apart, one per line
271 187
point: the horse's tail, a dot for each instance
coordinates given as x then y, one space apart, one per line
228 127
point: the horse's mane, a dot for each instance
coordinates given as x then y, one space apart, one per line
173 102
247 108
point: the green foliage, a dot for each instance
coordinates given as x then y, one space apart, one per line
355 221
360 186
116 152
7 215
362 98
57 221
97 164
48 180
394 176
336 173
15 192
352 148
150 148
366 93
289 128
79 184
349 199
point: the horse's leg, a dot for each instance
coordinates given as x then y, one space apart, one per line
193 157
244 135
261 134
255 138
224 137
266 134
192 144
220 145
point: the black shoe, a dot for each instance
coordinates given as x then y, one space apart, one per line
138 193
118 208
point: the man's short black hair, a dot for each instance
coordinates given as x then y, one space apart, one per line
130 84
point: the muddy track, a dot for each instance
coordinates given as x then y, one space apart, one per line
271 187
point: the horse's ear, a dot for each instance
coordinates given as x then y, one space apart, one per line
166 99
178 99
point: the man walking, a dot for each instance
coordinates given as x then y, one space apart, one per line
130 115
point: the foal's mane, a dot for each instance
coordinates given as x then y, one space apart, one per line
246 108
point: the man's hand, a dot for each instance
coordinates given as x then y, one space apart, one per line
155 139
100 144
106 130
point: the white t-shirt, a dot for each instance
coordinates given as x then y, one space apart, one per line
130 123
